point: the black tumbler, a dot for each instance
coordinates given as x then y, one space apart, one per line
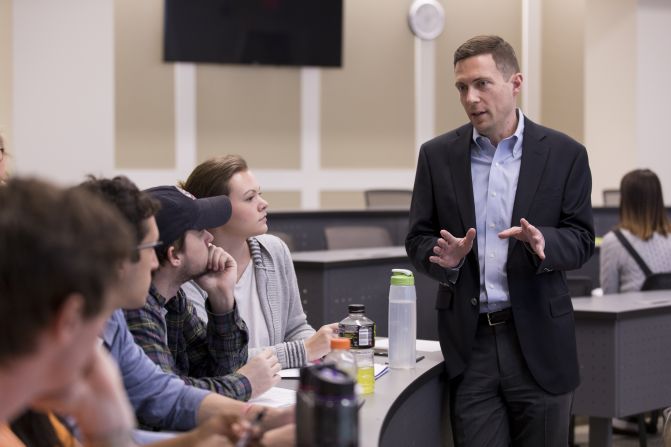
326 408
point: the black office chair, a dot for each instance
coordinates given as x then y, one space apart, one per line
388 198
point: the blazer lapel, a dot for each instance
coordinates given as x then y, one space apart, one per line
460 166
534 156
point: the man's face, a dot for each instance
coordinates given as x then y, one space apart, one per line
488 96
195 253
70 345
136 276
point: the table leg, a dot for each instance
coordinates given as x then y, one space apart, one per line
600 432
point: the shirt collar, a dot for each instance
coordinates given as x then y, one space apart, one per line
176 304
517 135
156 298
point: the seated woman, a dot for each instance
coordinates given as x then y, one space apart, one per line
266 292
644 223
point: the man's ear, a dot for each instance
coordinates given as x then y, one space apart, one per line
517 79
174 256
68 319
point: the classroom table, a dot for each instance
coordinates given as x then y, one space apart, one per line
624 355
408 407
330 280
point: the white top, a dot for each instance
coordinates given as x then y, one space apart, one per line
249 307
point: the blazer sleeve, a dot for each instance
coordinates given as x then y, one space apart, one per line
571 243
424 226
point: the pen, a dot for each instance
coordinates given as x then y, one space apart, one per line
247 436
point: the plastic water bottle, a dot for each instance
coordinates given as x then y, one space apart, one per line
361 332
341 357
402 320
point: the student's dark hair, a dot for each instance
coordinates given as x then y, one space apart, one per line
34 429
162 250
502 52
642 204
211 177
53 243
135 205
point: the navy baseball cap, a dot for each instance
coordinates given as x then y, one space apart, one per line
180 212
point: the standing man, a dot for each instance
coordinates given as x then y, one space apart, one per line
500 209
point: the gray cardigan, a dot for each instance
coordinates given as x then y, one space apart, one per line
619 272
280 300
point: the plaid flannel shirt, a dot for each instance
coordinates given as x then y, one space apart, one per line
172 335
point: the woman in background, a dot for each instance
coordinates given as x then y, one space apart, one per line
644 223
266 292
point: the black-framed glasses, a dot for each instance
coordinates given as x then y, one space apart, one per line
149 245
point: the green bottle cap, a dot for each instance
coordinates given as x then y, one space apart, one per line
402 277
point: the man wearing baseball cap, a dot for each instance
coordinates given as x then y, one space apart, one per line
167 328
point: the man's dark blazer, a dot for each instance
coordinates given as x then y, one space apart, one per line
553 194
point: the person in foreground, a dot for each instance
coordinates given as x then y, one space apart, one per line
644 223
211 357
266 289
163 401
500 209
61 253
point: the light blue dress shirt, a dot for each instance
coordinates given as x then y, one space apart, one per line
495 171
160 399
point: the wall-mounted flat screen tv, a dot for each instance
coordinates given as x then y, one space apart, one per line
274 32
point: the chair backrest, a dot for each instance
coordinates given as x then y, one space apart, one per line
579 285
286 237
342 237
388 198
611 197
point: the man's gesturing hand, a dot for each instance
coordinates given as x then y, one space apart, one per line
529 234
450 250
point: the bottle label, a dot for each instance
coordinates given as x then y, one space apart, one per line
362 337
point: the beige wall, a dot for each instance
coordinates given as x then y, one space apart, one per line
283 200
249 110
342 200
562 52
368 104
503 17
6 71
610 91
144 88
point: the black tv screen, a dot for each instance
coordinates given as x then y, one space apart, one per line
275 32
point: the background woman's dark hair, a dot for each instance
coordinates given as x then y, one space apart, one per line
642 204
211 177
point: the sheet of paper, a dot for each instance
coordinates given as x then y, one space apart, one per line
276 397
422 345
380 370
290 373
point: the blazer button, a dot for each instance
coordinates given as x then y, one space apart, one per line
474 301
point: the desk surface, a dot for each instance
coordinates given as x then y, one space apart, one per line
393 391
348 255
622 305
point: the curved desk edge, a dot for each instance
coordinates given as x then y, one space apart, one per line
388 418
